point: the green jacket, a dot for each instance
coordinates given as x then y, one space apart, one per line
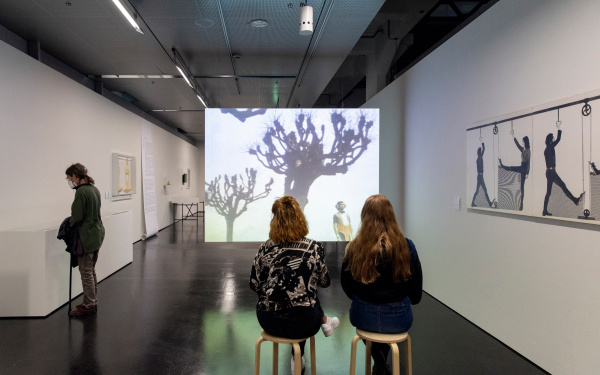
85 215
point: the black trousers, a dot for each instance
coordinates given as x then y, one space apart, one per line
292 323
553 178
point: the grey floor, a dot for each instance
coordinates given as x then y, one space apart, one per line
184 307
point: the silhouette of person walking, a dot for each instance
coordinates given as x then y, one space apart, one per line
552 176
480 181
523 169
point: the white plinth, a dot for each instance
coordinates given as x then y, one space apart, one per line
34 266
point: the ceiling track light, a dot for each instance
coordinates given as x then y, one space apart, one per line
189 78
131 15
184 76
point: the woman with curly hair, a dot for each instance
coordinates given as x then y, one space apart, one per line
286 272
382 276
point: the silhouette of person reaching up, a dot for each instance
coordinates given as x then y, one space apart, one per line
480 181
523 169
552 176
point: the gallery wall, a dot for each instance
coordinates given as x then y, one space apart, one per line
49 121
533 283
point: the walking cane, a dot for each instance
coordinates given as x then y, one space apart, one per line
70 278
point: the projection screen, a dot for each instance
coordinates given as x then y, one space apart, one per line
328 159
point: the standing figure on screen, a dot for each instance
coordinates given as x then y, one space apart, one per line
480 181
342 226
523 169
551 176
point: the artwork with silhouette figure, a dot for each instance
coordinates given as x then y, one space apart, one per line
504 179
342 225
552 176
310 154
481 188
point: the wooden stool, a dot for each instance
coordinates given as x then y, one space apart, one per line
391 339
264 336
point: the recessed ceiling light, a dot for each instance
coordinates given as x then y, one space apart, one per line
258 23
204 22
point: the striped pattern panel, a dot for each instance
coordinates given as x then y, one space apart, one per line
509 190
595 196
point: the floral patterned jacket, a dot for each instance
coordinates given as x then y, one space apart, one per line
287 275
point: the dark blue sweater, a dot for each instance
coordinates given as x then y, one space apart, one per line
384 289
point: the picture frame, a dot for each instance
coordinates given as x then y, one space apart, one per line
123 175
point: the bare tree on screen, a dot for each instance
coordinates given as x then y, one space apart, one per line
300 154
234 198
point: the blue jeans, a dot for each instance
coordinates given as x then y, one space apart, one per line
395 317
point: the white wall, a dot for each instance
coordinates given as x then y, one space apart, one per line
49 121
532 283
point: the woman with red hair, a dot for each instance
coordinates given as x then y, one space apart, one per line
382 276
286 273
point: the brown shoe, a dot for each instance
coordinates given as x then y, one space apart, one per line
81 305
81 311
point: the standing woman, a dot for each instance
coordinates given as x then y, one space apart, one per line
85 216
382 275
286 272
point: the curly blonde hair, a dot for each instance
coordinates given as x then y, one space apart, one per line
365 252
288 222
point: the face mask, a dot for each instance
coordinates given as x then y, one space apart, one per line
71 184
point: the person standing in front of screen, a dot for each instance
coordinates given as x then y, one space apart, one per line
285 274
480 181
342 226
85 215
523 169
551 176
382 275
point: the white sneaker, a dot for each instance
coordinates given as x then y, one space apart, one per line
303 363
330 325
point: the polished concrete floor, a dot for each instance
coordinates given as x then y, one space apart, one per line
184 307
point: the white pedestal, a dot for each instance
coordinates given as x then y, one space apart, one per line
34 266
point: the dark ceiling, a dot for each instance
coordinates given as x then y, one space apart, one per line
231 63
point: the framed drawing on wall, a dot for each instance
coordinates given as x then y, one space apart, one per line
123 175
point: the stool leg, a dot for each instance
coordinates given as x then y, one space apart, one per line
275 358
297 359
408 356
257 355
353 355
396 358
368 357
313 356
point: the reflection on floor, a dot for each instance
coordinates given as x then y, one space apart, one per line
184 307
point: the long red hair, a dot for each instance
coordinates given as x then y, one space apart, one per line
288 222
365 252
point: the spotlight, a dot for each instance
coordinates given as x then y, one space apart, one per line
306 19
